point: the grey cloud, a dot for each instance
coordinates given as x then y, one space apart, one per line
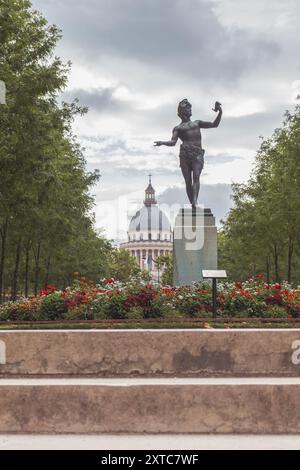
245 131
99 100
103 100
181 36
233 131
163 47
215 196
109 146
157 122
220 159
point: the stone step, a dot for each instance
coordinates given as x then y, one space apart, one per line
144 442
207 406
150 353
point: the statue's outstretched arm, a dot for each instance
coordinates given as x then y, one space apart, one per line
216 122
168 143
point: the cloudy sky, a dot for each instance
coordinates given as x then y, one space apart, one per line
134 60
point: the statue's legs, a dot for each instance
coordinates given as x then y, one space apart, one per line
197 169
187 174
196 188
191 167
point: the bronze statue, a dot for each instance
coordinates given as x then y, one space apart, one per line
191 151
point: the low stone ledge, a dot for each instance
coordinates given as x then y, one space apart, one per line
221 408
181 353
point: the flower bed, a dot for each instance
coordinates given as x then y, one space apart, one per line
137 300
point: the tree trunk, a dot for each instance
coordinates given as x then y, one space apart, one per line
276 263
268 269
14 285
37 268
27 252
47 272
290 258
3 234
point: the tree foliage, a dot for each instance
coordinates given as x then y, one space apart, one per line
164 263
46 224
262 232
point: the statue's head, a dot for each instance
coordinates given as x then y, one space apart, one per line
184 109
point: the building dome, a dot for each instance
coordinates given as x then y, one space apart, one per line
149 218
150 223
149 234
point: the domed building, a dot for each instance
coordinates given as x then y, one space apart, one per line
149 234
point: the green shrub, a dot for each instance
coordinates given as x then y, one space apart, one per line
276 312
53 307
5 311
294 311
77 313
96 309
154 308
170 313
135 313
115 307
191 306
256 309
242 306
203 314
21 310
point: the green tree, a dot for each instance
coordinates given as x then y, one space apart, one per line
122 266
164 264
262 231
46 226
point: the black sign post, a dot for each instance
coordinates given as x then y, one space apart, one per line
214 275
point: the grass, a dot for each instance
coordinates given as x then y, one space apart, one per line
228 323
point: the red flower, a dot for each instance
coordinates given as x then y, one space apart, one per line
51 288
44 292
277 286
70 304
276 299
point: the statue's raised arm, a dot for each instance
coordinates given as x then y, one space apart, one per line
216 122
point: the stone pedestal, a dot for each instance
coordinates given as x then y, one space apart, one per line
195 245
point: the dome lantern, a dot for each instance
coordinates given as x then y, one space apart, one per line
149 194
